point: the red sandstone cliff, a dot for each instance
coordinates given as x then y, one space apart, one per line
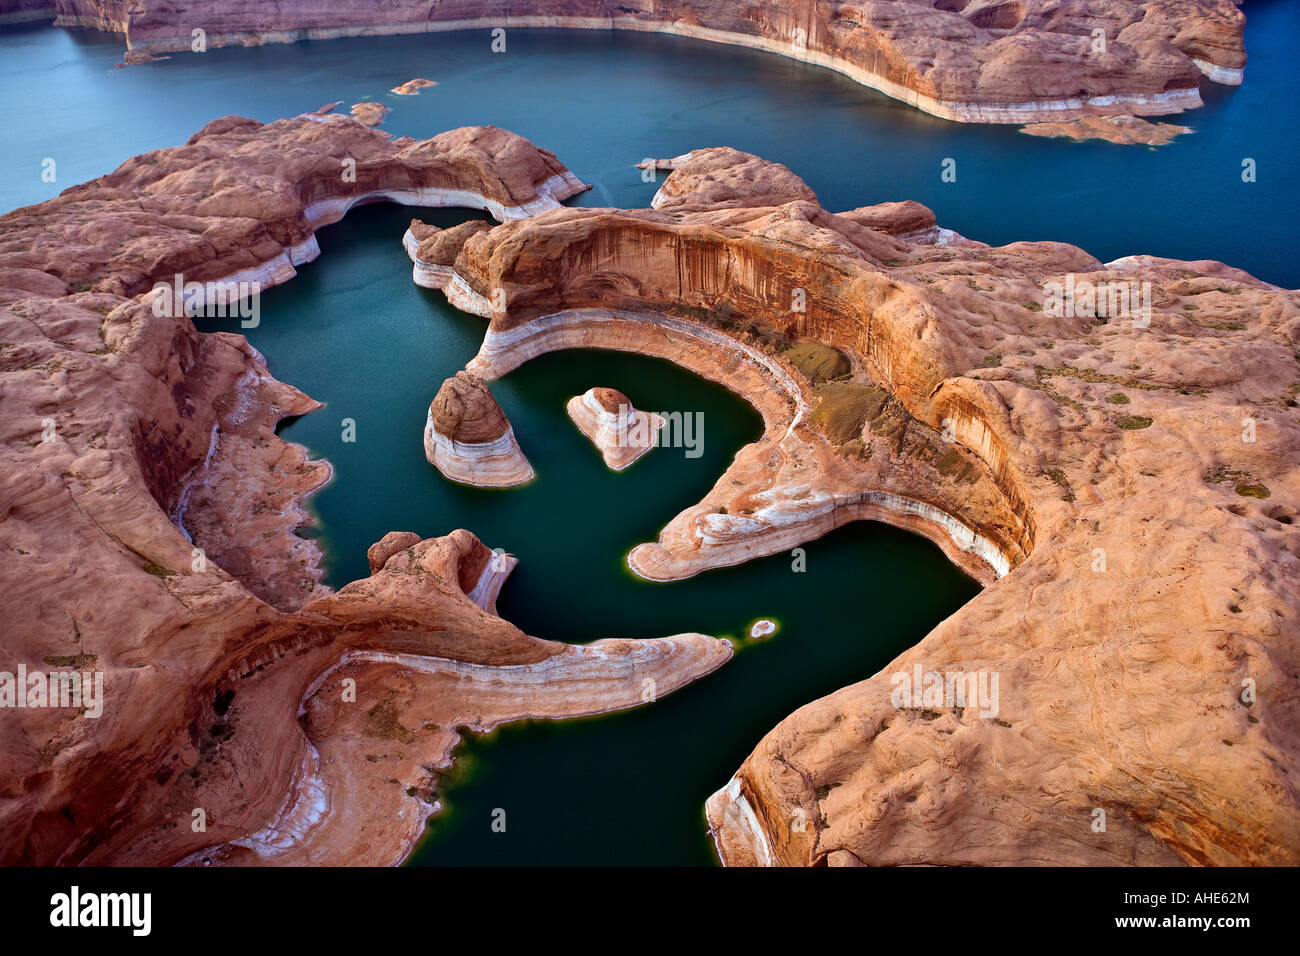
1094 471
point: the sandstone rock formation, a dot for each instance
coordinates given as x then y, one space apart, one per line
413 87
147 511
1119 470
468 438
1111 448
372 114
992 61
433 251
620 432
138 58
390 544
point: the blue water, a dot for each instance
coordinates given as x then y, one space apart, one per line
353 331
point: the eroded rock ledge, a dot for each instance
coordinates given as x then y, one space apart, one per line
967 60
147 512
1123 480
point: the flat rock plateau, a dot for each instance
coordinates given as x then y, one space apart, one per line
1111 448
989 61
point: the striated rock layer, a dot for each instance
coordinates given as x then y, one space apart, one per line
147 517
620 433
969 60
1111 448
468 438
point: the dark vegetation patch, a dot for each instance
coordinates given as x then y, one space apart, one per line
818 363
381 721
843 408
1133 422
1253 491
75 661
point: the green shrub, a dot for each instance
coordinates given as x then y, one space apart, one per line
1133 422
818 363
1253 491
844 408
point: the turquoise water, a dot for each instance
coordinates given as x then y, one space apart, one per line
353 331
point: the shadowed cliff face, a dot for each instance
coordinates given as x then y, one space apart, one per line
147 516
972 61
1123 479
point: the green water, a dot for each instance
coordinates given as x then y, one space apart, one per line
354 332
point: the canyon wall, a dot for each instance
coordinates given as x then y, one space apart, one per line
996 61
26 11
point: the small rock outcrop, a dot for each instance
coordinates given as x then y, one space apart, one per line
372 114
1121 130
412 87
387 546
619 431
468 438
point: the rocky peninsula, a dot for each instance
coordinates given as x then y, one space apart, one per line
1111 448
984 61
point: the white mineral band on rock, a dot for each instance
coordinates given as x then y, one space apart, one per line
495 464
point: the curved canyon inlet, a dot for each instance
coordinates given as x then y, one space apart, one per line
1108 448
